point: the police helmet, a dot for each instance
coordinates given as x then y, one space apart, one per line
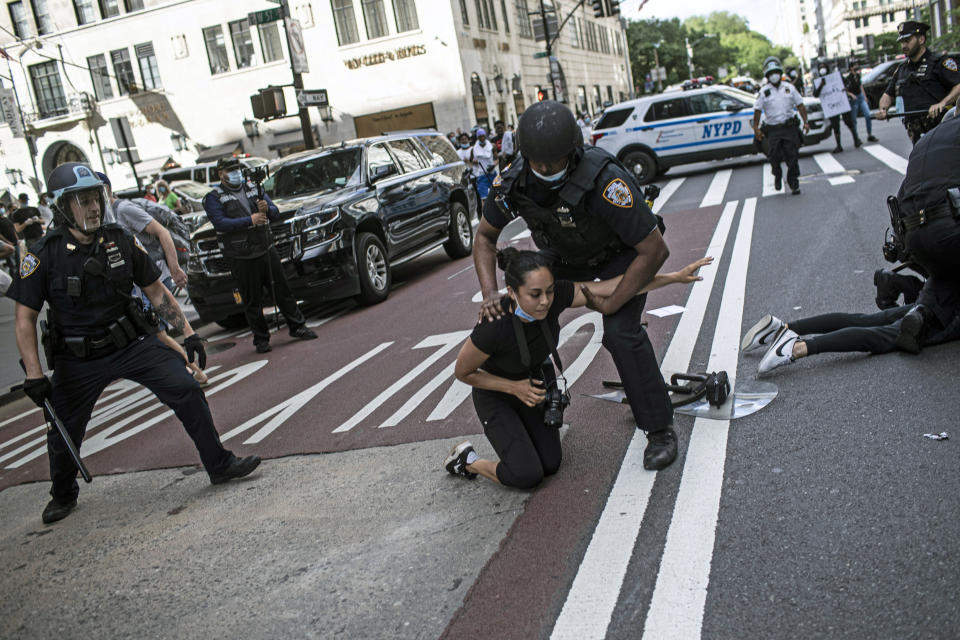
548 132
68 179
770 65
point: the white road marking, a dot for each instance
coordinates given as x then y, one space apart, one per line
829 164
887 157
768 188
18 416
666 192
596 588
464 270
478 296
446 341
321 321
677 605
717 189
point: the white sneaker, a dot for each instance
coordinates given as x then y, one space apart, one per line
456 462
779 353
761 334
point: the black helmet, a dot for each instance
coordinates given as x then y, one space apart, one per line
548 131
771 64
70 178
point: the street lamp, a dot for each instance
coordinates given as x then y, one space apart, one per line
326 113
251 128
686 41
111 156
179 141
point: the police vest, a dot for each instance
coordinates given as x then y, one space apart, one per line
919 87
567 227
82 303
248 243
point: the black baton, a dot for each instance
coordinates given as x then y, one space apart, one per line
50 414
907 114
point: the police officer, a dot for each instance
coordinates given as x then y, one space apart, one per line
586 213
777 102
929 204
84 271
927 81
240 212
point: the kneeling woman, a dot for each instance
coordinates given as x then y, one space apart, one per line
508 395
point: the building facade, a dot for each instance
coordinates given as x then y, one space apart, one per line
169 81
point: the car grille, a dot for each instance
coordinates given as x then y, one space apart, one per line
215 265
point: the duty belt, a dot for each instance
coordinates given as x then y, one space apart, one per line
928 214
119 334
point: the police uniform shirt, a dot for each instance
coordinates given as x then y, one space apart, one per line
778 103
223 224
616 200
936 78
45 276
933 167
498 338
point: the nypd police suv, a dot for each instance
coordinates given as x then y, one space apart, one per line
651 134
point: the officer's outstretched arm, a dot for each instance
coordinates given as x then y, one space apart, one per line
26 330
167 307
589 293
485 262
652 252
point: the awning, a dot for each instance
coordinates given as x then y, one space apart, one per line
293 138
219 151
152 166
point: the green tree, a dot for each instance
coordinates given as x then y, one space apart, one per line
885 44
642 35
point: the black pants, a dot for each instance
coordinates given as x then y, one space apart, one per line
847 120
528 449
784 147
77 385
253 276
626 339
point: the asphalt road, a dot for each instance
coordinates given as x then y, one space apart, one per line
825 515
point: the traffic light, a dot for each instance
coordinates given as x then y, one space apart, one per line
613 8
597 8
268 104
541 95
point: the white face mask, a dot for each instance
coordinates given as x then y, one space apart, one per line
775 78
553 179
823 71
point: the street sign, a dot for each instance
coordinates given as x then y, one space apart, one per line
540 54
265 16
11 114
312 97
298 52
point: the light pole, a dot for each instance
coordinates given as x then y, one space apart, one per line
686 42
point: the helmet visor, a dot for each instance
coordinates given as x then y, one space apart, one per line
85 208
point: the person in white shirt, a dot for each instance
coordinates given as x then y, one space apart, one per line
508 147
777 102
464 149
585 129
484 168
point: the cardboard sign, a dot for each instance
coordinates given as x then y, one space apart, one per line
834 95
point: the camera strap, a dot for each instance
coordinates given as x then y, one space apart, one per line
525 349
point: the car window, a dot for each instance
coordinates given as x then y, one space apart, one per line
408 155
317 174
707 103
441 148
735 95
192 189
378 156
179 174
666 109
611 119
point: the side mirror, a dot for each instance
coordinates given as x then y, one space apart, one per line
383 171
732 107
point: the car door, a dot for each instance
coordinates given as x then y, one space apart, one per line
720 121
667 128
426 182
398 210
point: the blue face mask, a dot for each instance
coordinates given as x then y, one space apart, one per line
162 189
465 145
235 178
523 315
554 180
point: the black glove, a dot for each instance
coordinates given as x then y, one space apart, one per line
37 389
194 347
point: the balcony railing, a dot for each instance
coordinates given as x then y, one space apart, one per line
876 10
70 107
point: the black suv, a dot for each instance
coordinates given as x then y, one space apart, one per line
350 213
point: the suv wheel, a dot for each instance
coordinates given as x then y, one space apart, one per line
373 269
461 232
642 164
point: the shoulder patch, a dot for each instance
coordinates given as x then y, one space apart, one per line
950 63
497 181
136 243
28 264
618 193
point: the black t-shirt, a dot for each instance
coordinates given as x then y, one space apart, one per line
44 277
853 84
498 339
7 230
30 232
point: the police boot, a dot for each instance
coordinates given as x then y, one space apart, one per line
912 329
57 510
236 468
661 449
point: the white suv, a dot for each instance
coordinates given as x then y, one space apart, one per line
651 134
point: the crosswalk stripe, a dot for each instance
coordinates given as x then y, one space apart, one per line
717 189
768 188
668 190
887 157
829 164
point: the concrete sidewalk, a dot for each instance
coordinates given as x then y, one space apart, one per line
376 543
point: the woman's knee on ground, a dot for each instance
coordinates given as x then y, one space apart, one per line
526 476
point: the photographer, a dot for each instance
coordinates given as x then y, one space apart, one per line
240 212
520 404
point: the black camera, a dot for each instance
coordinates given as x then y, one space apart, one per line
257 175
555 400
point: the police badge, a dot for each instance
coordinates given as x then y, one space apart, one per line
28 264
950 63
618 193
